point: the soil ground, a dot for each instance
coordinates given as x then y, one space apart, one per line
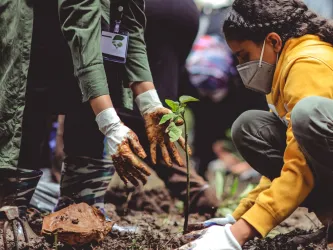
159 225
164 231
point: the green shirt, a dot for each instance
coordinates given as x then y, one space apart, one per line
81 25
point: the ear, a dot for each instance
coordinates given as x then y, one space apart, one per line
275 41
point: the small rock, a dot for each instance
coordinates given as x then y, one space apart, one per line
75 221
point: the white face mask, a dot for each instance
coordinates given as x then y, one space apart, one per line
258 75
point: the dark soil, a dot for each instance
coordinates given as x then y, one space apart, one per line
290 241
161 228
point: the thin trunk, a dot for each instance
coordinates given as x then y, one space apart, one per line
187 201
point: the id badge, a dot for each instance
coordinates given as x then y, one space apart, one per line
114 46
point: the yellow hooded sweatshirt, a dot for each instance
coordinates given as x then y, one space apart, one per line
305 68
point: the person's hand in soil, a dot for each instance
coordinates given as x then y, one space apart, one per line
124 147
218 237
152 111
213 238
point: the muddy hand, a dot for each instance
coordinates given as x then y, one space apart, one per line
152 111
124 147
214 238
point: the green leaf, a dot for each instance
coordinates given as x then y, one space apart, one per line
228 133
181 110
219 184
173 105
167 117
171 125
179 205
118 38
187 99
234 186
174 133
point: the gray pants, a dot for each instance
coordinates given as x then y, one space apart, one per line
260 137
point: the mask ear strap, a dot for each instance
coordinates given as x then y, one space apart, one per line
262 54
277 58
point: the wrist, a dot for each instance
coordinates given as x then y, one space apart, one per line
139 88
107 120
147 101
243 231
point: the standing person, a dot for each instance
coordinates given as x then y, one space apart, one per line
81 25
171 30
172 27
16 185
85 162
285 51
213 72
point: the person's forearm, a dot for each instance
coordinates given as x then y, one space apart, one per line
141 87
243 231
100 103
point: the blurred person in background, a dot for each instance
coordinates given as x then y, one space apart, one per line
213 74
322 7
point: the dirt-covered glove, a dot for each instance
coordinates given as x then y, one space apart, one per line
120 143
229 219
213 238
152 111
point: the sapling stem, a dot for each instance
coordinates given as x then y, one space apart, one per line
187 200
178 111
56 241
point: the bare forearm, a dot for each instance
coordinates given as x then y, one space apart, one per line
101 103
243 231
141 87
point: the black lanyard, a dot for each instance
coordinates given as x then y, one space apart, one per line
118 16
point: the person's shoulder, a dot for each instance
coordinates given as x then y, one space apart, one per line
311 49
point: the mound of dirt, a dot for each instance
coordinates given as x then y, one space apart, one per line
77 225
152 201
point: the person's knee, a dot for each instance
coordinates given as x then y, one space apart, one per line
241 127
307 115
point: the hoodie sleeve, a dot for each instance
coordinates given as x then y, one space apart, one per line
250 200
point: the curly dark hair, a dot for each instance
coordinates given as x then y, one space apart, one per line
255 19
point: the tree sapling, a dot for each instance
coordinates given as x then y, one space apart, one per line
174 132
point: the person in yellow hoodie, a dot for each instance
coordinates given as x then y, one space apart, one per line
285 51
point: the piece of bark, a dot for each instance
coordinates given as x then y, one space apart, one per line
77 225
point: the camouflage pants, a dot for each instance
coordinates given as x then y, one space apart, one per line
15 41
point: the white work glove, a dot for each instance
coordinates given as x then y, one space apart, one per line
120 141
152 111
229 219
213 238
